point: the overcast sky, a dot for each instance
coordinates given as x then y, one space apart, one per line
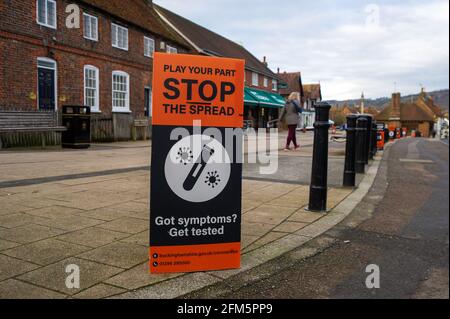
349 46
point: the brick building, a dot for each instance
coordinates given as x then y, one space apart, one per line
106 63
262 101
418 115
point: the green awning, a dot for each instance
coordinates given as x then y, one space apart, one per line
249 100
265 99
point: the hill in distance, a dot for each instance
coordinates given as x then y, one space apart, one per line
441 98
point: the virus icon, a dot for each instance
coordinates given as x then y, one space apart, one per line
212 179
184 155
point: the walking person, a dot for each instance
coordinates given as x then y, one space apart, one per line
290 115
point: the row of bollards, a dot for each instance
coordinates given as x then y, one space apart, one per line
361 147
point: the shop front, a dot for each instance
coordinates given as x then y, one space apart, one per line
262 108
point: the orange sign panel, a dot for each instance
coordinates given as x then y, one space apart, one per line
196 183
191 87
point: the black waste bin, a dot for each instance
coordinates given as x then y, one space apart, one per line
77 120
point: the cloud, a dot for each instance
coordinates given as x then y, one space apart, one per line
349 46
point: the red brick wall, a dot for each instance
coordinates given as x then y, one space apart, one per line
248 81
22 41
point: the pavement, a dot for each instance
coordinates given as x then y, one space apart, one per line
401 226
90 208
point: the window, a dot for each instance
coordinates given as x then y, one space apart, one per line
266 82
91 87
149 47
255 79
90 27
120 92
171 49
274 85
119 37
46 13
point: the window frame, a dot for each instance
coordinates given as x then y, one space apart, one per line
46 15
255 79
170 49
126 108
151 52
90 16
114 45
266 82
274 85
96 107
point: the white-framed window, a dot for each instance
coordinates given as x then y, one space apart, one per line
90 27
46 13
255 79
266 82
119 36
120 92
274 85
91 87
149 47
170 49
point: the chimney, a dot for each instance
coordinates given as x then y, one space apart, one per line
265 61
396 100
278 70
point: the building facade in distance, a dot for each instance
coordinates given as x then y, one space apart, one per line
419 115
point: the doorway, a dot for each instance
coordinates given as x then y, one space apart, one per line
47 93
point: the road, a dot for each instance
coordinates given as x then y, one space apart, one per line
401 226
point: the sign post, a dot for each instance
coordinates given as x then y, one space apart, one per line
196 175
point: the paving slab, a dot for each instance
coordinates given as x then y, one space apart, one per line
20 219
70 223
54 276
137 277
5 244
11 267
118 254
16 289
45 252
138 239
99 291
92 237
268 238
126 225
29 233
105 213
173 288
53 212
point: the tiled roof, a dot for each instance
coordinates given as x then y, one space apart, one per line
293 81
312 91
212 43
408 112
139 13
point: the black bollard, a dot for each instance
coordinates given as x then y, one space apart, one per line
368 144
374 138
361 140
350 152
386 135
319 173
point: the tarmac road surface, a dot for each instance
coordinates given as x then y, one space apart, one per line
401 226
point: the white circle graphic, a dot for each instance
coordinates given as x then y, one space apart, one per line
197 168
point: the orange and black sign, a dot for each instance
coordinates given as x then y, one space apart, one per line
196 176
